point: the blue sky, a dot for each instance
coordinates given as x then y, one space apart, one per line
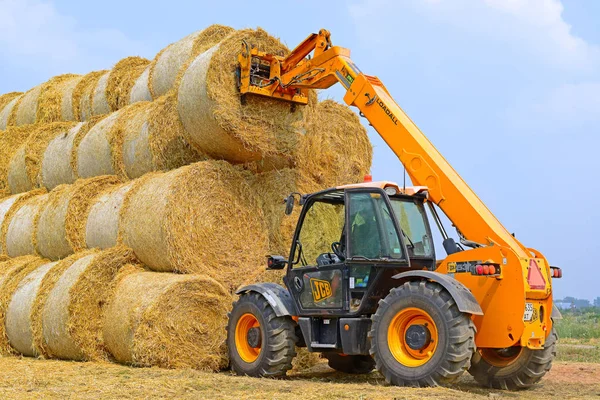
508 90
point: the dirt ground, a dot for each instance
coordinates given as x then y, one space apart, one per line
48 379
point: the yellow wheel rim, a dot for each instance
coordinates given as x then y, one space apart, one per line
501 357
397 329
247 353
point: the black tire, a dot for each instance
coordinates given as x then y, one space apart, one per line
350 364
278 347
456 333
528 367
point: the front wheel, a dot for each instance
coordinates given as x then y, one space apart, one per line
515 367
419 337
260 343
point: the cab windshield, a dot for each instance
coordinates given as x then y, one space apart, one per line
372 230
412 217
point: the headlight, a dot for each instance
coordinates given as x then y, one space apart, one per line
391 191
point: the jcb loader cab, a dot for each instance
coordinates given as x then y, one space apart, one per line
361 288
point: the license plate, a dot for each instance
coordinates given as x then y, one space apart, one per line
528 312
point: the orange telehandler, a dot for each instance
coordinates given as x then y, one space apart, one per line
371 293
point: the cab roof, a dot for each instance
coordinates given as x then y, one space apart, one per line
409 190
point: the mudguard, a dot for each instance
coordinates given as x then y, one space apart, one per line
277 296
465 301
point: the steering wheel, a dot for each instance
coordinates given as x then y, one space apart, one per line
336 247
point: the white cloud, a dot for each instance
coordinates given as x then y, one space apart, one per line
564 110
35 32
535 25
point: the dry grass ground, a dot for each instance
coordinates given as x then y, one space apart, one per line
29 378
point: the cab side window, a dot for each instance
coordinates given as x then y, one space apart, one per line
323 225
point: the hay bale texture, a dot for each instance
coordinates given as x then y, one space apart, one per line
102 225
10 140
150 137
55 100
19 228
12 272
7 102
56 166
67 314
99 99
201 218
168 320
121 80
271 188
141 90
25 109
18 313
94 153
168 63
60 225
8 207
25 165
83 95
140 138
219 125
335 149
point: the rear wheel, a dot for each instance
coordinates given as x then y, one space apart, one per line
515 367
350 364
419 337
260 343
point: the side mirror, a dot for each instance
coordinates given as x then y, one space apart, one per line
450 246
289 204
276 262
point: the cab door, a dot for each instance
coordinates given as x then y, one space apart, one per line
317 279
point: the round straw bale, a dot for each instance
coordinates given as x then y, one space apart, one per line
12 272
47 284
6 111
149 137
18 313
56 168
67 107
137 155
25 166
18 180
55 100
140 90
121 80
7 98
94 153
25 110
200 218
335 149
168 320
271 188
168 62
71 313
83 93
10 140
99 96
102 226
215 119
8 207
80 135
61 222
20 229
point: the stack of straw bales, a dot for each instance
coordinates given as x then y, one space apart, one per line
135 201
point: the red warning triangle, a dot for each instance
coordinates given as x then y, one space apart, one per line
534 277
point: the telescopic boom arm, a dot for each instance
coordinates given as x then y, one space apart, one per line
289 78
